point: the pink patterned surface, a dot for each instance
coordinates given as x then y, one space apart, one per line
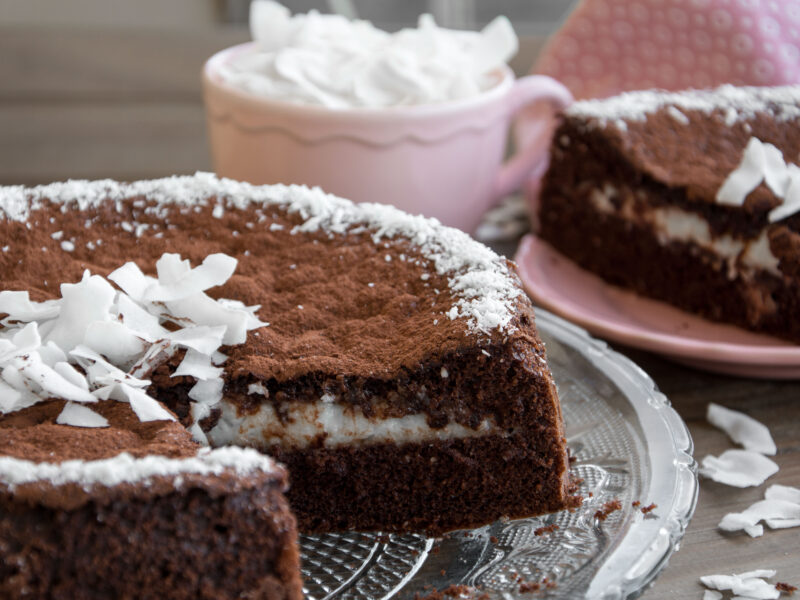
609 46
556 283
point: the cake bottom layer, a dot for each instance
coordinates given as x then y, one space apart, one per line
680 273
183 545
434 486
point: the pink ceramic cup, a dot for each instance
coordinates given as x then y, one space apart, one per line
442 160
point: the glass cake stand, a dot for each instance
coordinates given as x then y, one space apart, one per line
628 445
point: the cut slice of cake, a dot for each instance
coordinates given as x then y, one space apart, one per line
685 197
390 363
137 510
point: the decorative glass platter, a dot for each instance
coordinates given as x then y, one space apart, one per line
628 444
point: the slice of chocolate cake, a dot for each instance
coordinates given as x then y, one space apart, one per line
137 510
391 363
690 198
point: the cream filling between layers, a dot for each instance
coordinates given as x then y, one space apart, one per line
670 224
334 424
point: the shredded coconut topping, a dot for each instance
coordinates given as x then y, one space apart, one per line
484 287
734 103
763 162
124 468
97 342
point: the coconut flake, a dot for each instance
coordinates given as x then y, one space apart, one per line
749 585
19 307
142 323
81 304
146 407
203 310
742 429
114 340
78 415
778 514
712 595
746 177
132 281
198 365
202 339
176 281
738 468
783 492
207 391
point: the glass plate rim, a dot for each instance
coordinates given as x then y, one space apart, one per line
632 567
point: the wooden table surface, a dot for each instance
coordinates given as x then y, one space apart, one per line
134 110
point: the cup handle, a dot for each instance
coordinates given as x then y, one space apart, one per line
530 90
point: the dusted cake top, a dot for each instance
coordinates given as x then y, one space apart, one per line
394 289
693 139
734 103
63 466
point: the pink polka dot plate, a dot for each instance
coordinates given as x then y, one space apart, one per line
558 284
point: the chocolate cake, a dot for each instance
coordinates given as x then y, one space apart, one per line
390 363
137 510
690 198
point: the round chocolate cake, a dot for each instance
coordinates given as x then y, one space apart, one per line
160 338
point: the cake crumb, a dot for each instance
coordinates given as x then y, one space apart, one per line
493 539
786 588
636 503
608 508
452 591
526 587
546 529
649 508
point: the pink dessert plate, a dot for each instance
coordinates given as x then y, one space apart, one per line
558 284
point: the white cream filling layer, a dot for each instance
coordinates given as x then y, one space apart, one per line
335 424
672 224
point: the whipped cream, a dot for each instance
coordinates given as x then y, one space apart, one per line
331 61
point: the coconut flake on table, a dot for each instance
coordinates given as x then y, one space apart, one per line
742 429
738 468
116 338
780 509
750 585
329 60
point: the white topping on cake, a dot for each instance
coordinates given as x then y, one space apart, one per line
78 415
734 103
124 468
485 290
746 177
763 162
115 337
